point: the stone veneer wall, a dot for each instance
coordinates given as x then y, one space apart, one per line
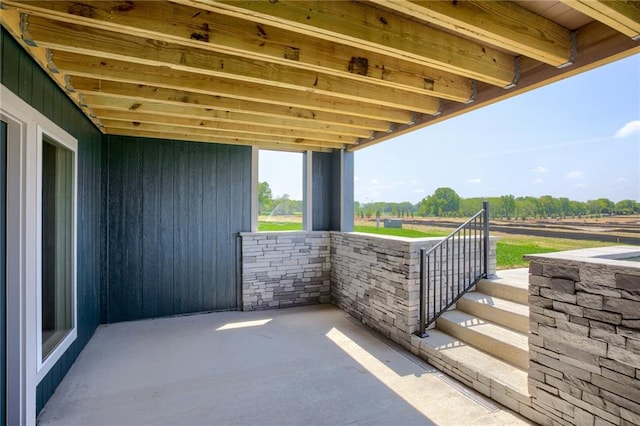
584 340
283 269
376 280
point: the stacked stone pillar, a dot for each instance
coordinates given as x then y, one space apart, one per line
584 341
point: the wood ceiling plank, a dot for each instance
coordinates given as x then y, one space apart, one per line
498 23
139 93
219 136
222 127
101 102
193 27
365 27
110 69
623 16
106 44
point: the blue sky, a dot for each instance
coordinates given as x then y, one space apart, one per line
577 138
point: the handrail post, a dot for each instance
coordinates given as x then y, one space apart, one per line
422 314
485 207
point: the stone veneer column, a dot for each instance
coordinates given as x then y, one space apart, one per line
584 340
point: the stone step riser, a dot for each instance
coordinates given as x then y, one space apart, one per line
497 348
504 291
498 316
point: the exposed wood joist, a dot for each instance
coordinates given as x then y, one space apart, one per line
207 135
597 44
101 104
221 127
191 27
496 23
364 27
88 41
622 16
277 146
127 72
139 93
305 74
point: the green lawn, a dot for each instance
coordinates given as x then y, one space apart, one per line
279 226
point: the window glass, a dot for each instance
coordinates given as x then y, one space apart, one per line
280 191
57 244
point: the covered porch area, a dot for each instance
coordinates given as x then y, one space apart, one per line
303 365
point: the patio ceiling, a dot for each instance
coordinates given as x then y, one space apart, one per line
309 75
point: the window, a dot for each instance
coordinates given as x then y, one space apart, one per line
56 287
280 201
57 244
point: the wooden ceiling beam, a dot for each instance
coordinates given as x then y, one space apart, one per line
11 21
622 16
498 23
106 44
222 127
102 102
206 30
365 27
217 136
140 93
127 72
278 146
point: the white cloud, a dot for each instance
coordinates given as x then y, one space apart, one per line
474 181
356 178
375 181
419 191
580 185
576 174
538 181
620 179
539 169
414 182
628 129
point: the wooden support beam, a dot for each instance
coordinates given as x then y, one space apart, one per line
210 31
140 93
212 136
498 23
277 146
375 30
101 103
109 69
245 129
106 44
622 16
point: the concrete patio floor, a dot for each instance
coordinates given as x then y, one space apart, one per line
302 366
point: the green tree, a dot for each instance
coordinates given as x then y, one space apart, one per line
626 207
265 198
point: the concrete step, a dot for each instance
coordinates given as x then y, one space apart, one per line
498 380
501 342
499 311
510 284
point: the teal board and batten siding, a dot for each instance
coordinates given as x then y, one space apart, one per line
3 274
328 170
24 77
174 211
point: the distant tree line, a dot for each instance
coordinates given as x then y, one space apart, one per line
445 202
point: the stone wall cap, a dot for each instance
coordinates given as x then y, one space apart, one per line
613 256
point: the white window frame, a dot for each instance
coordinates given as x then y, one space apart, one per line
25 368
62 138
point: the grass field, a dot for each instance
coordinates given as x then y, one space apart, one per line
510 248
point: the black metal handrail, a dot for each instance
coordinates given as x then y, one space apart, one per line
452 267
